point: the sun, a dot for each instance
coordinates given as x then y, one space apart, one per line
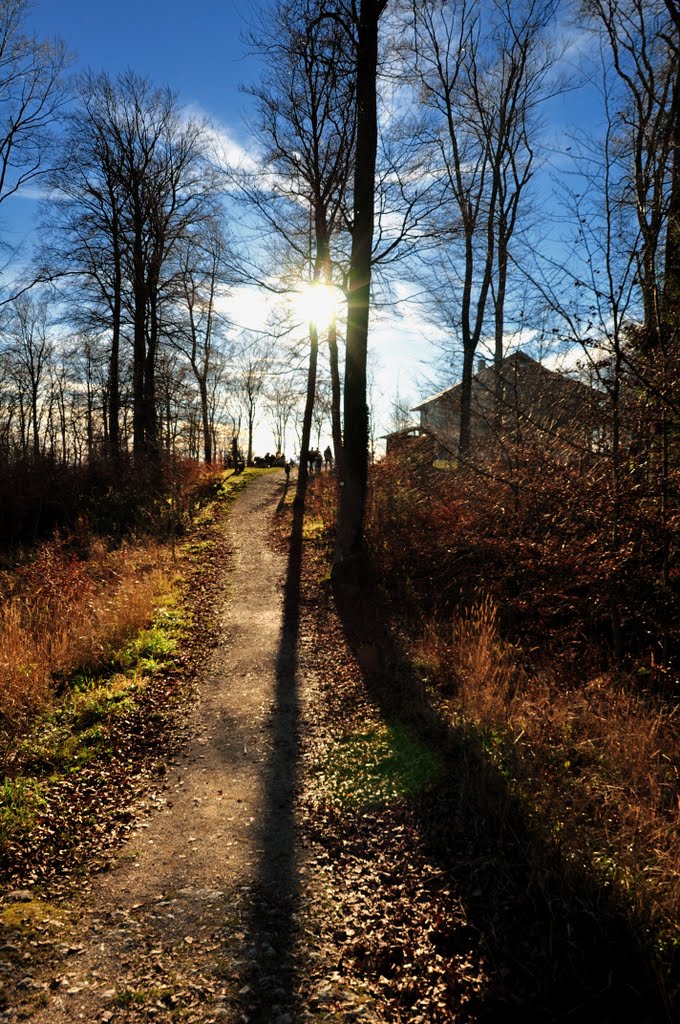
317 303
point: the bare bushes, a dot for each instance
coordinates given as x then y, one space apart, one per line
576 570
512 587
595 763
110 498
74 600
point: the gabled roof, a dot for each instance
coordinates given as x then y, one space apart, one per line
403 431
487 377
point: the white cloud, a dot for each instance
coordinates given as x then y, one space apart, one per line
228 152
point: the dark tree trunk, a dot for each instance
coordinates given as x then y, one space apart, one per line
205 422
336 412
114 356
150 411
139 351
301 489
464 441
353 484
671 295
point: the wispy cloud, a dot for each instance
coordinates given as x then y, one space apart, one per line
227 151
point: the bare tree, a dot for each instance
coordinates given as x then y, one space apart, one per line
32 89
482 70
644 44
250 378
135 183
84 222
363 21
198 327
283 400
30 349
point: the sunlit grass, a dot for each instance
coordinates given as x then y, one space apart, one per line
20 800
378 767
69 617
595 765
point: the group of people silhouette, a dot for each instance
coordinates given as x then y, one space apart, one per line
316 461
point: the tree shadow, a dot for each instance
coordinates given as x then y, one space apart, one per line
558 946
269 975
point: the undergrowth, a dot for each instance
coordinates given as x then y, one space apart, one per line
85 627
501 613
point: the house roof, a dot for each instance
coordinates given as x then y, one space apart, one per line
403 431
486 377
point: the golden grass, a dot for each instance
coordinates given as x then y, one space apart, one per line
63 615
596 763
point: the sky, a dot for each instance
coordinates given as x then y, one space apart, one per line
198 49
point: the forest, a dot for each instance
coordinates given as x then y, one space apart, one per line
511 576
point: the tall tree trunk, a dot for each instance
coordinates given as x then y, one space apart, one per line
114 355
205 422
464 440
251 427
336 412
139 349
36 430
113 405
671 292
301 488
150 411
499 330
354 481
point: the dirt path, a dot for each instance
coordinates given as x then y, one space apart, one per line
194 920
320 853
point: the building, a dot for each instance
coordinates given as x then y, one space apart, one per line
527 403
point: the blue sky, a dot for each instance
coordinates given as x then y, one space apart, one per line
198 50
194 47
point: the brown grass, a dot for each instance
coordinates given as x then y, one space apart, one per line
63 614
595 763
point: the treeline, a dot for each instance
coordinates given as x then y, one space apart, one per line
449 150
398 143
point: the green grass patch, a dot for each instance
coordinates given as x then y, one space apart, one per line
77 729
149 650
28 915
378 767
312 528
130 997
234 483
20 800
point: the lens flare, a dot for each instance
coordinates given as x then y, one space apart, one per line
317 304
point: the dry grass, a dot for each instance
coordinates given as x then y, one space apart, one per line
596 763
63 614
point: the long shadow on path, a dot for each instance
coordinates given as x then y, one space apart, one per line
555 952
269 978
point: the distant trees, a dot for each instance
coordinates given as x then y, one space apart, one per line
133 190
28 356
197 328
283 400
252 369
